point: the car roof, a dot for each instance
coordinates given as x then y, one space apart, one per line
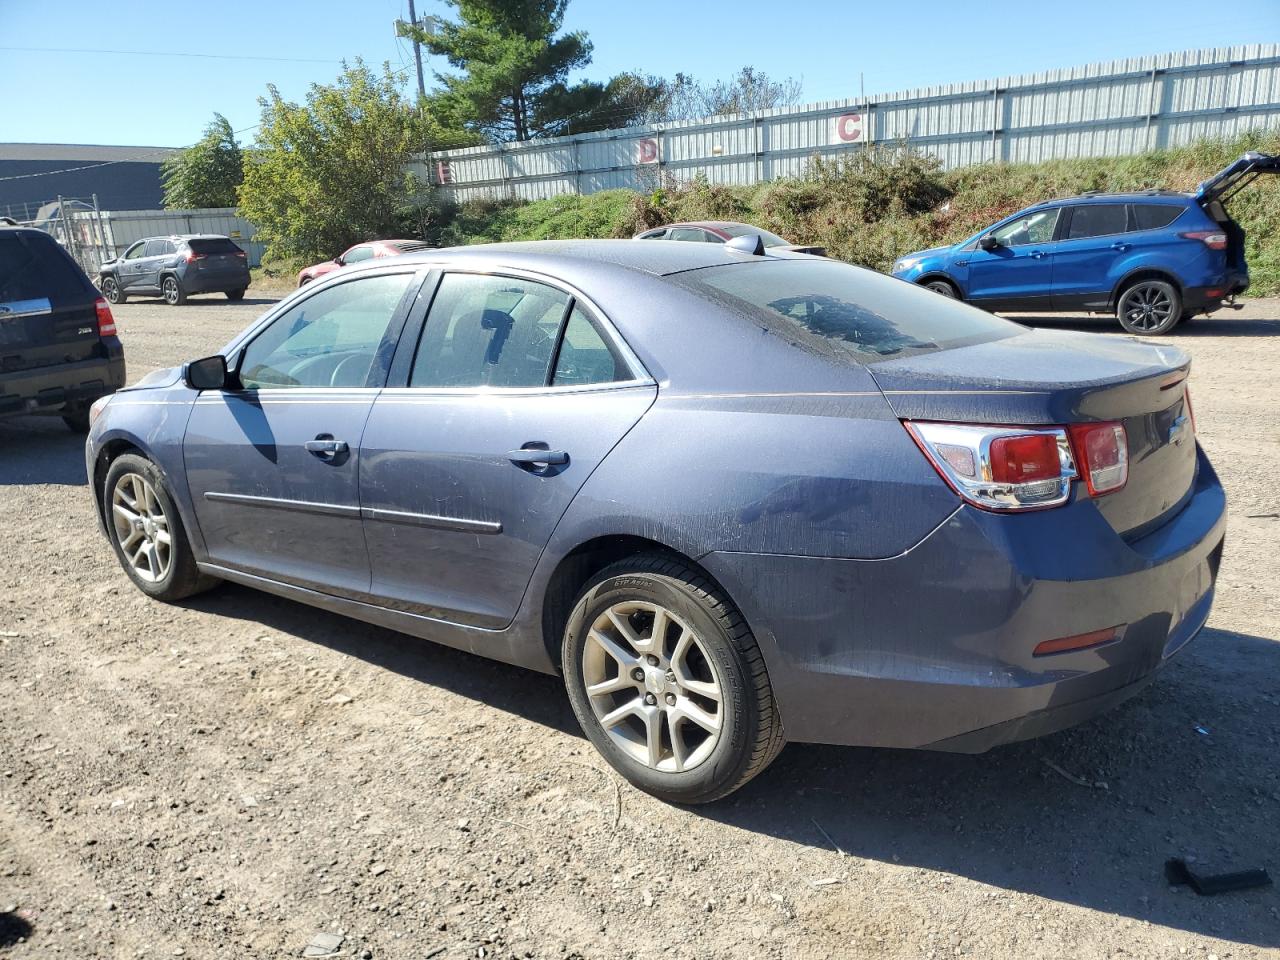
657 258
185 236
1172 196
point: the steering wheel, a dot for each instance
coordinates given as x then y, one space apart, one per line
345 365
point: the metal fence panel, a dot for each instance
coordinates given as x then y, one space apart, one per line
1101 109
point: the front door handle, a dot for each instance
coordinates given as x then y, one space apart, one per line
1036 254
538 456
1120 245
327 448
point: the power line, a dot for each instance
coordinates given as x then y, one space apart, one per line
163 53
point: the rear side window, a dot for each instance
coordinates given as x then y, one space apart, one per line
212 245
842 312
1097 220
585 357
1153 216
159 248
34 267
695 234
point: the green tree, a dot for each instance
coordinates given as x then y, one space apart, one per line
515 64
335 170
207 173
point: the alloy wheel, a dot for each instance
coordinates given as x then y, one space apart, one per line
1147 306
111 290
652 686
170 290
141 528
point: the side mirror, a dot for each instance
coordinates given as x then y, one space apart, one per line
989 242
338 260
209 373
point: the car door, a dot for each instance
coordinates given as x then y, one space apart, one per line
131 265
1015 274
517 391
158 254
1094 238
273 465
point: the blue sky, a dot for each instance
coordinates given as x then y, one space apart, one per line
129 98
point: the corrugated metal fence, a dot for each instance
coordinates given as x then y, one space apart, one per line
1105 109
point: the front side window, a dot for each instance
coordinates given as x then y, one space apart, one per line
841 312
136 251
486 331
1035 227
696 234
330 339
1097 220
357 254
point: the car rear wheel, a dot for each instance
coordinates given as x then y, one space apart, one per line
147 533
942 287
1149 308
111 290
667 681
235 294
172 291
76 419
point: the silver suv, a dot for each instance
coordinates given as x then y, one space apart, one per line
175 267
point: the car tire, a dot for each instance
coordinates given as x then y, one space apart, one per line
235 294
1149 308
76 419
944 288
171 290
706 651
111 290
140 515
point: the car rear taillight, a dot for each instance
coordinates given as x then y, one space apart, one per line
192 256
1024 468
999 468
1213 239
1102 452
1191 413
241 254
106 322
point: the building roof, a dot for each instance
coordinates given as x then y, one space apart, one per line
91 152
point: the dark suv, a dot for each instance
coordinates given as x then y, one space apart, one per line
176 267
1154 258
58 346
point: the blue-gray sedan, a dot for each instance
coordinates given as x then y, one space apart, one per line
734 499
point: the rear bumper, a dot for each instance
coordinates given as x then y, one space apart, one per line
55 388
215 283
1208 299
933 648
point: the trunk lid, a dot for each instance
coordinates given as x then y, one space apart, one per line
1044 377
47 311
1235 176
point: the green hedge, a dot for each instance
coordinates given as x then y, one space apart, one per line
880 203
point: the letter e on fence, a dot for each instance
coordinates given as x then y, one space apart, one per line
847 128
647 150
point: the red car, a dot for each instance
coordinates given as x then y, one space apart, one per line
722 231
361 251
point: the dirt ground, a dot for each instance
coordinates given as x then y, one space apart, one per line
231 777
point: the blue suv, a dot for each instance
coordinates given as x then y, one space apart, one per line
1155 258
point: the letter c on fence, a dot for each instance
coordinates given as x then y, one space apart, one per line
647 151
849 127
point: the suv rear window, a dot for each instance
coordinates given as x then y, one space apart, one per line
212 245
842 312
1153 216
33 267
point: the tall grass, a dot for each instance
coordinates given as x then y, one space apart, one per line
876 204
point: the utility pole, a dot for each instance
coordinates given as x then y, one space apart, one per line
417 52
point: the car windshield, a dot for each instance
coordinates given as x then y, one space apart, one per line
742 229
841 312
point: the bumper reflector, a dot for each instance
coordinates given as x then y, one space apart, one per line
1079 642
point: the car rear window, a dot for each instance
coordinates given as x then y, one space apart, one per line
34 267
842 312
212 245
1153 216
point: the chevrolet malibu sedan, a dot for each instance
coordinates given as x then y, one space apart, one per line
733 499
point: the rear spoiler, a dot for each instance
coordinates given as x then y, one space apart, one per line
1237 175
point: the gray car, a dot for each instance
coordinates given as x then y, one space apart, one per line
176 267
734 499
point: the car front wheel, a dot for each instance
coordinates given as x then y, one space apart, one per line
942 287
111 290
667 681
147 533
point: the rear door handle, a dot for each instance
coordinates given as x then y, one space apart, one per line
534 456
326 448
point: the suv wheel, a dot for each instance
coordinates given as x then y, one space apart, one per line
668 682
943 288
172 290
1149 308
146 531
111 290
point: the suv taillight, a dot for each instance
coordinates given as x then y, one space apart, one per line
1213 239
106 322
1024 468
193 256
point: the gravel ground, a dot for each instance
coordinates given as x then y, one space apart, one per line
232 777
